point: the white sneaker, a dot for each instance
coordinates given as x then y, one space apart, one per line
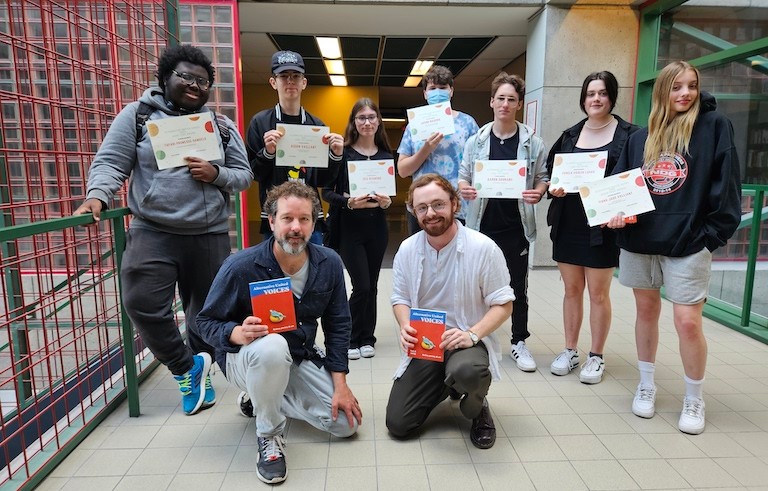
367 351
522 357
644 403
353 353
692 417
567 360
592 371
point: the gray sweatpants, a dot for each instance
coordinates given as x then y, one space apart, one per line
281 389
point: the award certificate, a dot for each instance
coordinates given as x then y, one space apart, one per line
624 193
371 177
302 146
432 118
571 170
499 178
174 138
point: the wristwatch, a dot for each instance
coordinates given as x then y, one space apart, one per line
473 337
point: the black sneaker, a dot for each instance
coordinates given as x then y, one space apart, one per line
245 405
271 460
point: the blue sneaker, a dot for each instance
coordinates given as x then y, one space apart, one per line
192 383
210 393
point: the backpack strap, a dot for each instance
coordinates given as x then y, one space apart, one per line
144 111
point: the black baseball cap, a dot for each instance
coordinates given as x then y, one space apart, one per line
287 60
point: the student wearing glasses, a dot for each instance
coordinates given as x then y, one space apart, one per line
358 223
450 268
511 223
262 137
179 234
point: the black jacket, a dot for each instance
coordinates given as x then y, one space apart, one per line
263 166
566 144
697 195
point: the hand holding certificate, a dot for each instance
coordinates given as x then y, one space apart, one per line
571 170
302 145
499 178
433 118
183 136
623 194
371 177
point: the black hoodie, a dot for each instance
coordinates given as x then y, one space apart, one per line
697 195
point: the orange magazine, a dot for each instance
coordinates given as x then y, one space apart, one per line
272 302
430 326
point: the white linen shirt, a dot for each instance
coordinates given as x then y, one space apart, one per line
481 280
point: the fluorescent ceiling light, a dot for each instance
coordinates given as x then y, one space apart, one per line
339 80
393 120
420 67
412 82
334 67
329 47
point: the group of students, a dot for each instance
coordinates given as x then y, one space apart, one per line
178 237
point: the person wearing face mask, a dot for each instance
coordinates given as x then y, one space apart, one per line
179 234
439 154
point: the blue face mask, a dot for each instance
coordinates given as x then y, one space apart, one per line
436 96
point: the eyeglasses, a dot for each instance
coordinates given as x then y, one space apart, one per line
293 77
189 79
362 119
421 210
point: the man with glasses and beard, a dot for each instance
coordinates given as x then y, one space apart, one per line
449 268
179 234
285 375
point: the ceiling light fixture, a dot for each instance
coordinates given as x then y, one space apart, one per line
338 80
412 82
420 67
334 67
329 47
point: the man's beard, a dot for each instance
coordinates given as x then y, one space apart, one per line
286 246
438 228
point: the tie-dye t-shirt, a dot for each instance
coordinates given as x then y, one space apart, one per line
446 158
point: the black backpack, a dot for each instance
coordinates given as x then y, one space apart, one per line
145 110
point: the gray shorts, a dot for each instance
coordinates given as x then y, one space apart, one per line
686 278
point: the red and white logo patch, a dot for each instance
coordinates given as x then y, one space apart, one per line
668 175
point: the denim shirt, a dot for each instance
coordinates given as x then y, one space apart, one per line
325 297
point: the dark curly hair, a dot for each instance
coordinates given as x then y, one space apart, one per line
173 55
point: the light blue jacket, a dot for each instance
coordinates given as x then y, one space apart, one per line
531 149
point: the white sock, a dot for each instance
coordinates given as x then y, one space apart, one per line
647 370
694 388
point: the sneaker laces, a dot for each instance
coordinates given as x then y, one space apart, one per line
185 383
692 407
522 350
273 448
208 384
645 393
566 355
592 364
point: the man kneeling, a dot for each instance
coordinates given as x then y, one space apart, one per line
450 268
284 375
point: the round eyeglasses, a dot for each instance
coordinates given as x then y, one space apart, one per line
363 119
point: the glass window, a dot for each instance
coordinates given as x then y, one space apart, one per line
224 55
222 15
203 34
691 31
202 14
224 35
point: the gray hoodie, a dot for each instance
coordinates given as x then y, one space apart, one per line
167 200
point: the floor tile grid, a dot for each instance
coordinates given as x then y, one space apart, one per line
553 432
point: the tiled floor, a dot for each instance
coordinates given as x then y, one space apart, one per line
553 432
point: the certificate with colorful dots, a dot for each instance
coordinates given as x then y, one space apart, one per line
499 178
623 194
430 326
272 302
571 170
177 137
371 177
432 118
302 145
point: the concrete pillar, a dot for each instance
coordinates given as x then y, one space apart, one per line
564 46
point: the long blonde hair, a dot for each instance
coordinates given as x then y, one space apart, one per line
667 135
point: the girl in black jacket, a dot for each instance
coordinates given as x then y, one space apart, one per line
691 169
586 256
